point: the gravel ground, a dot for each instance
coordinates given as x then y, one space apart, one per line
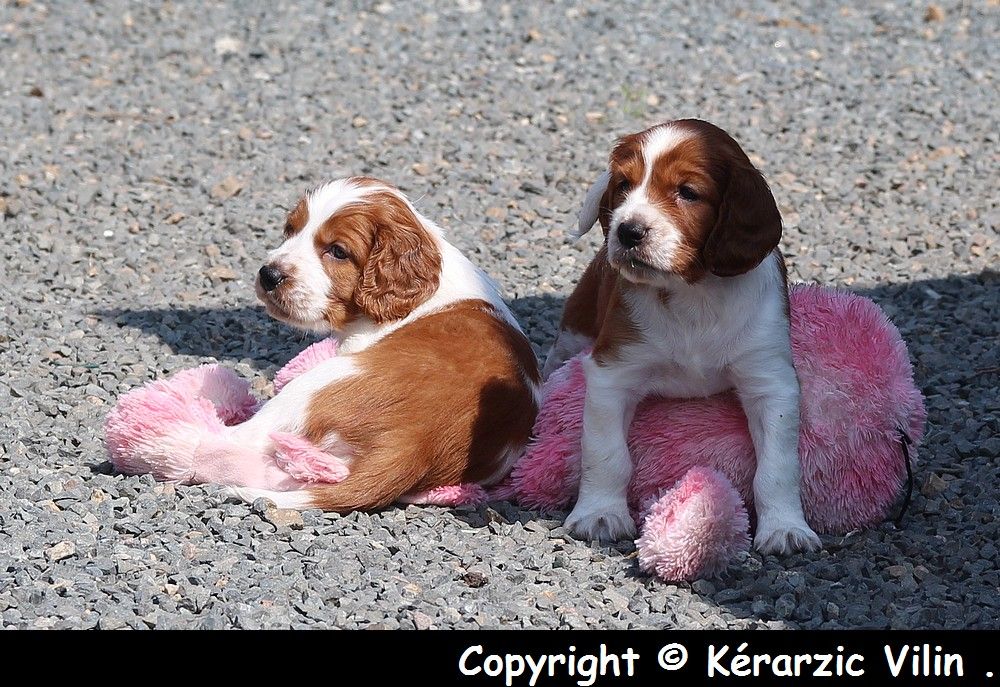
148 151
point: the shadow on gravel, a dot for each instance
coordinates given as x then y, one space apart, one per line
236 334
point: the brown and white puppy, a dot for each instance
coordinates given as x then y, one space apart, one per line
687 297
434 383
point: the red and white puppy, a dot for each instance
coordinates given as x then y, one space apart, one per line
433 384
686 298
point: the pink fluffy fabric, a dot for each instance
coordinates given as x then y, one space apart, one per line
857 394
692 529
159 427
303 460
304 361
457 495
177 429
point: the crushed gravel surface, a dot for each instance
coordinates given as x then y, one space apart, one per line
148 151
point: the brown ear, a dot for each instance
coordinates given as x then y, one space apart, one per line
403 266
748 226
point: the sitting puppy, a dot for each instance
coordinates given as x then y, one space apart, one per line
434 383
687 297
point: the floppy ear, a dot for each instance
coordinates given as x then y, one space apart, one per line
592 204
402 270
748 226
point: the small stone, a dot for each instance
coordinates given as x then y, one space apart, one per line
110 623
222 272
245 133
63 549
359 122
496 213
36 92
896 570
422 621
594 117
174 218
420 169
284 517
474 579
934 13
227 188
703 587
227 45
784 606
933 486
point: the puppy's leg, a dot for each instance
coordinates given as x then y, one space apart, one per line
567 344
769 392
601 510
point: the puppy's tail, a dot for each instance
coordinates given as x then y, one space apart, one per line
362 490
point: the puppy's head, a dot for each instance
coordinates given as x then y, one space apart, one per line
683 199
353 248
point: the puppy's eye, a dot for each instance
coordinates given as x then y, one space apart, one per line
624 186
687 193
337 251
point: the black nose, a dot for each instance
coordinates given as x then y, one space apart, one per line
270 277
630 234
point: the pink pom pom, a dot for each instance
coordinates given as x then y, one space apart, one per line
303 460
695 529
305 361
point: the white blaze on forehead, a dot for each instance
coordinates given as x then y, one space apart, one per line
332 196
657 143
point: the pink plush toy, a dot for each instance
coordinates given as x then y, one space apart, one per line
694 458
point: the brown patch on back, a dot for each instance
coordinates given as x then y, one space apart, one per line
439 401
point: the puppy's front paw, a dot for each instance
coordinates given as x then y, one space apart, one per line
776 535
605 522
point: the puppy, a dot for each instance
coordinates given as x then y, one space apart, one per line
687 297
434 383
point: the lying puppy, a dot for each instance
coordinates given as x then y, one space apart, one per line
434 383
687 297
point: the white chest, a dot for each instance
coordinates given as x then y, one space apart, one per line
689 340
